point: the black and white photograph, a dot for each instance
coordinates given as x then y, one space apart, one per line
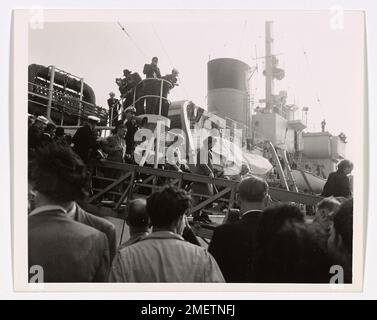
201 149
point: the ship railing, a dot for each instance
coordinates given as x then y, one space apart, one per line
64 103
141 86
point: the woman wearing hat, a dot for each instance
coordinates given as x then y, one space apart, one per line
115 145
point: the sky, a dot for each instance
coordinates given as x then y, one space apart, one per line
321 53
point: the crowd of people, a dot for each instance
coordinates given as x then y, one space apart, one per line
144 96
263 242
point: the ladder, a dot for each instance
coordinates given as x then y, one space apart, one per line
287 180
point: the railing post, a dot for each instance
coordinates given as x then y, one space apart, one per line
160 105
158 137
50 92
80 104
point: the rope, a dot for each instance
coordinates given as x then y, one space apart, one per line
134 42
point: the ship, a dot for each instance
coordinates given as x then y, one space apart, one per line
270 141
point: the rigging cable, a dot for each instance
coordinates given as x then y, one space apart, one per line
168 56
134 42
318 100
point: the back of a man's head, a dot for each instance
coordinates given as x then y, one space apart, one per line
274 218
167 205
295 253
330 203
137 214
252 189
59 174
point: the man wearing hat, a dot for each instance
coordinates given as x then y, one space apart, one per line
85 141
132 80
113 104
131 126
36 130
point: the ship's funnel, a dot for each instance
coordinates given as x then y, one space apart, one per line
228 89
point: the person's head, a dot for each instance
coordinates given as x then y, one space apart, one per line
59 132
326 208
275 217
118 81
41 122
57 176
120 129
50 128
137 218
112 95
155 61
345 166
126 73
294 253
175 72
167 207
130 113
252 193
92 121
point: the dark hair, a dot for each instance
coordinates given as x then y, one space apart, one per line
274 218
58 173
167 205
343 224
59 132
49 127
252 189
330 203
154 58
137 214
296 253
342 165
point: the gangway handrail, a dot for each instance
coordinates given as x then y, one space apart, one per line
277 194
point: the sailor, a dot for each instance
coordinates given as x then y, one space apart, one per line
85 141
131 127
36 130
114 105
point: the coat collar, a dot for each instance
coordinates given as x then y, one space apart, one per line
163 235
47 208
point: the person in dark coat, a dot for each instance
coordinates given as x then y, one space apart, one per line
114 105
80 215
338 184
85 140
66 250
234 245
133 80
152 71
173 79
131 127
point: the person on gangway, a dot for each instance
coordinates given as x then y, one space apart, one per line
114 106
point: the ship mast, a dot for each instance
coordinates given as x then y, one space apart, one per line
269 66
